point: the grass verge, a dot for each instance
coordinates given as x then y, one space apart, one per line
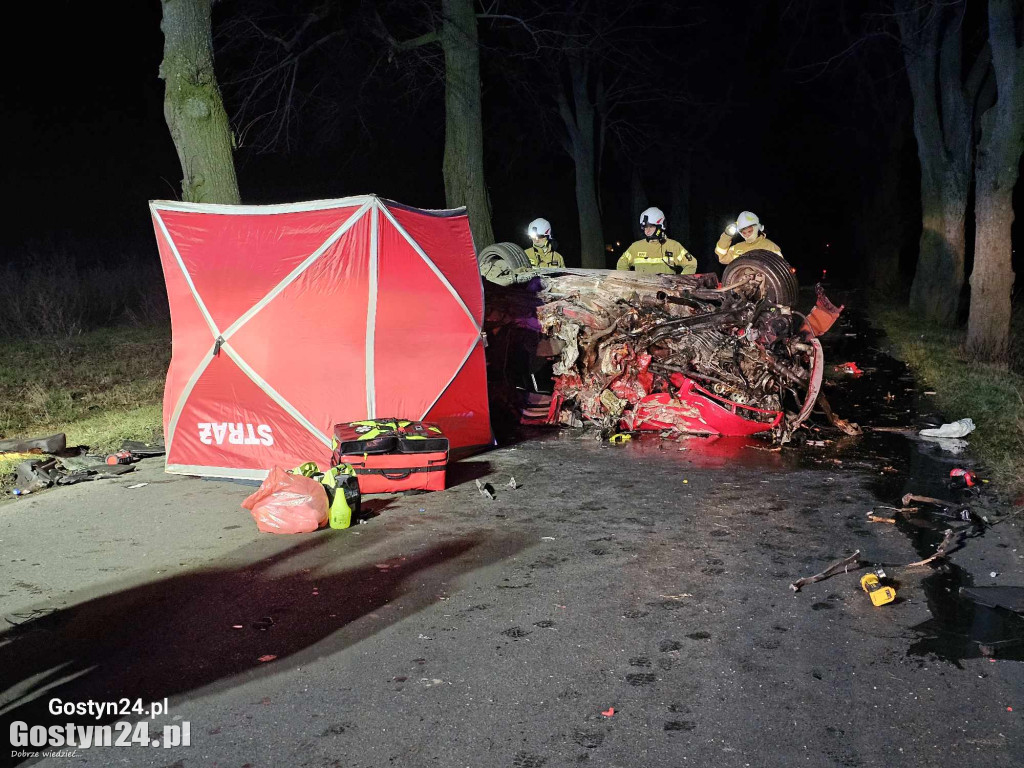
993 397
99 388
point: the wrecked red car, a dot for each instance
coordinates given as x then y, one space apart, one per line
624 351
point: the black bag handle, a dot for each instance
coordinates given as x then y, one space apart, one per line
396 475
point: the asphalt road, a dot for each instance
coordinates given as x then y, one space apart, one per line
650 579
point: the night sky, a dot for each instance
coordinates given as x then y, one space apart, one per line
87 145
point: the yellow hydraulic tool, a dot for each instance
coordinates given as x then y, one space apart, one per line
879 593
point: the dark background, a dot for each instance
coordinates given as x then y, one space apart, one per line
88 147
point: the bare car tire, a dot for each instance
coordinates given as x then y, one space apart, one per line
500 261
777 282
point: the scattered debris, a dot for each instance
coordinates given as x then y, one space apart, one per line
512 483
266 657
121 457
547 538
619 438
873 518
993 574
1010 598
847 427
610 712
946 510
941 551
486 490
959 428
962 478
137 485
69 466
842 566
850 368
50 444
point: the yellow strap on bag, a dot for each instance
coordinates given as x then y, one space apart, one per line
307 469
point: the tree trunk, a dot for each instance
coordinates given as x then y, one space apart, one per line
935 292
679 213
988 327
580 124
591 233
943 117
997 166
193 108
637 194
464 133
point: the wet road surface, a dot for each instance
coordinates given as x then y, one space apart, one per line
651 579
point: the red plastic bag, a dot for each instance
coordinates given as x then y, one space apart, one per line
288 503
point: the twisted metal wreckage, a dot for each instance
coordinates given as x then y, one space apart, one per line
669 353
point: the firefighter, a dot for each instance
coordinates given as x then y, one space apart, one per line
542 253
656 252
750 228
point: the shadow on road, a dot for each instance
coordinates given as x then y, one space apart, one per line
203 628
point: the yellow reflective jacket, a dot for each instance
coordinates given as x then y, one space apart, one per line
545 257
657 256
726 252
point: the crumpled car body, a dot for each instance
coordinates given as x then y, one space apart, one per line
649 352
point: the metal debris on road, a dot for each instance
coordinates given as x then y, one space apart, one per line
486 490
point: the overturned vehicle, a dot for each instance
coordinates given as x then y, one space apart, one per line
625 351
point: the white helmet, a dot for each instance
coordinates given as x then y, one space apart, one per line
747 219
653 216
539 228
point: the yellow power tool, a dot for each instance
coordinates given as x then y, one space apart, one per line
879 593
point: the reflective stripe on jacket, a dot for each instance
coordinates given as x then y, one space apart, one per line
656 256
545 257
726 252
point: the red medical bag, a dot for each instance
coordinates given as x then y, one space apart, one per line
392 455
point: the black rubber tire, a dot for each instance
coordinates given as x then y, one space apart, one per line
779 286
500 261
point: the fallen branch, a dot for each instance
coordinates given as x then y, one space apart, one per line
879 519
925 500
832 570
848 427
941 551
